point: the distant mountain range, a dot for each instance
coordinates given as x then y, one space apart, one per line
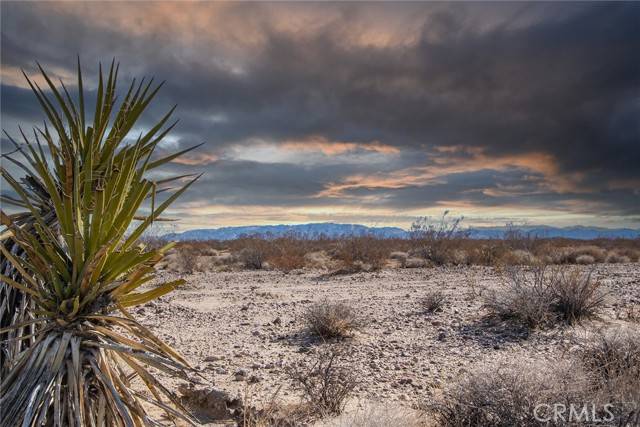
332 230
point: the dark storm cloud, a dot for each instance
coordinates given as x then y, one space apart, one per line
511 79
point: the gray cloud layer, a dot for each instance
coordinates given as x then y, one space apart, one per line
501 80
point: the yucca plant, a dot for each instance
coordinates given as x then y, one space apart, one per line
73 259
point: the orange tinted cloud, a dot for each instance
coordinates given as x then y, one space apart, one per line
333 148
452 162
196 160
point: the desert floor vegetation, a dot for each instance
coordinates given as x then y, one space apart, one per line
326 381
403 358
600 374
89 322
366 253
541 295
433 302
327 320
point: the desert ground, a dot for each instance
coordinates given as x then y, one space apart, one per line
241 329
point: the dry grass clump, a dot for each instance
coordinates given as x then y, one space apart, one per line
376 415
542 296
612 359
332 320
576 295
505 395
524 297
433 301
326 383
274 413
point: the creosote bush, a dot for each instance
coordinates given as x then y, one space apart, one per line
332 320
506 395
253 258
524 297
325 382
361 253
613 359
576 295
542 296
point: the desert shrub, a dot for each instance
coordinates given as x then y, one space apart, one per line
361 253
524 297
415 263
570 255
611 355
254 252
326 383
612 359
272 413
436 240
585 260
287 261
617 258
489 253
519 257
632 254
332 320
253 258
401 257
224 258
505 395
543 295
433 301
317 259
288 253
576 295
186 260
598 254
517 239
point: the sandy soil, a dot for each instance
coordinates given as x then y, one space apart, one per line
251 323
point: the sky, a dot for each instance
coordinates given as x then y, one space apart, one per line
371 113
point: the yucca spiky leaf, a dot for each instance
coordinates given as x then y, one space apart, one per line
76 264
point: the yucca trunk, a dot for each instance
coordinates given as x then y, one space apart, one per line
72 265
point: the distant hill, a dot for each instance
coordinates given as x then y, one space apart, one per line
574 232
332 230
